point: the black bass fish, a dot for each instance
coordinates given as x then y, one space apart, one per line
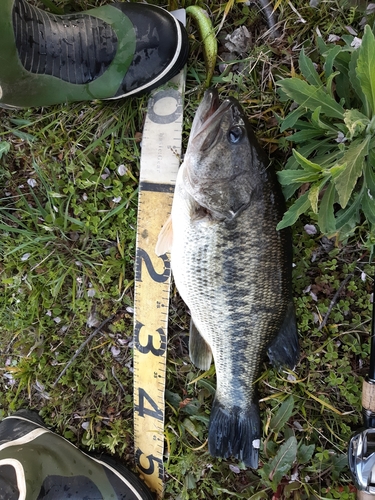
232 269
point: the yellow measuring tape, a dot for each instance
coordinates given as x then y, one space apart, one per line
161 147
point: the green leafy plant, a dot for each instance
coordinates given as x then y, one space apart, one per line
334 134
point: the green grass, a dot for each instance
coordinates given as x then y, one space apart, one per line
67 229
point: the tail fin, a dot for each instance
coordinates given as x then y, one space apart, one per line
235 432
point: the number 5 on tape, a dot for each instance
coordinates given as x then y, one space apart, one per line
161 147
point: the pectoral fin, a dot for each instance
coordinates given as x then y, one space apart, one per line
199 350
284 349
164 243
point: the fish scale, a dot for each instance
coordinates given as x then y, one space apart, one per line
238 300
232 269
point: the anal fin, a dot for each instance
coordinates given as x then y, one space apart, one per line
284 349
199 350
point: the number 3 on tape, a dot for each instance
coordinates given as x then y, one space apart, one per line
161 147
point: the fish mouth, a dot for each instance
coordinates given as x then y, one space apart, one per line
206 125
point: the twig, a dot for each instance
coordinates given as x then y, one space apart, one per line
334 300
117 380
82 346
269 12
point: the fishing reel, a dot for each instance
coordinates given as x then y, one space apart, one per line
361 456
361 453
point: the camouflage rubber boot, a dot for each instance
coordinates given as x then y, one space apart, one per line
37 464
109 52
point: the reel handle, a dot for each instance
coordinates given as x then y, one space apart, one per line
368 403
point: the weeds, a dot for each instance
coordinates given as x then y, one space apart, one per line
334 131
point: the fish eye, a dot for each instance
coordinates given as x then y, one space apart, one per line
235 134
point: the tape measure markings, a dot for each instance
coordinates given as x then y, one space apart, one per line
150 339
161 147
160 188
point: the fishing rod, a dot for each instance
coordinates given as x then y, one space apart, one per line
361 453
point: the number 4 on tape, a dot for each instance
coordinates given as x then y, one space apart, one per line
161 147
